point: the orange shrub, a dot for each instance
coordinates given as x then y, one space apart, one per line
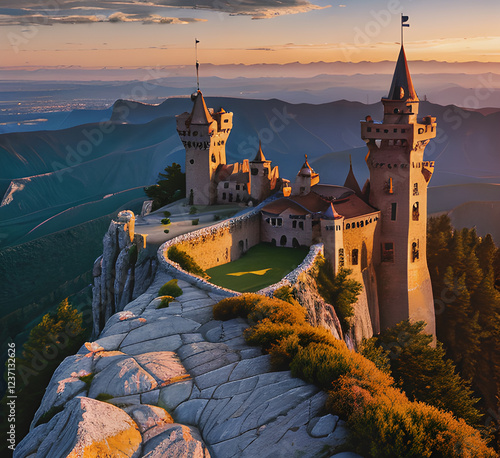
234 307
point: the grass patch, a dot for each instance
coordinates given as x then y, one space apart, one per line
273 263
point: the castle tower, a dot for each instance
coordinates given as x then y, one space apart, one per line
305 180
204 135
398 188
260 169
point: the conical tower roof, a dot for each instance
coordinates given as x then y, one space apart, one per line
351 182
306 170
200 114
402 85
259 157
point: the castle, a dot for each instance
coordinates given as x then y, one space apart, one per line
379 231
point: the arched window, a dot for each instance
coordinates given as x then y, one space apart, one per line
283 240
354 259
348 226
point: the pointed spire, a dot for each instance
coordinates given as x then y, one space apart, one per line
351 182
306 169
259 157
402 85
200 113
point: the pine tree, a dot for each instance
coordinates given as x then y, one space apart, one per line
171 186
424 373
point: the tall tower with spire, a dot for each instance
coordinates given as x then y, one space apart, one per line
204 134
399 177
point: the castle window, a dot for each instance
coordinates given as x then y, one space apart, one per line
226 120
394 207
368 129
226 185
341 257
403 131
276 222
348 226
361 223
301 225
195 133
414 251
191 161
395 131
283 240
223 196
294 224
387 252
415 212
237 187
354 260
415 189
213 158
255 171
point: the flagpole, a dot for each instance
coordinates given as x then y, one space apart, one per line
402 28
197 64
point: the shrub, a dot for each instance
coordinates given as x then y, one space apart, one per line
234 307
384 423
165 221
195 222
193 211
277 311
285 293
165 302
376 354
266 333
166 231
170 289
167 214
185 261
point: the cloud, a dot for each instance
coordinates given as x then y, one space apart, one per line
23 12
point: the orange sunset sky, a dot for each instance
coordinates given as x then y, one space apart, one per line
112 33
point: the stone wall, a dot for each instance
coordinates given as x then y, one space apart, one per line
221 243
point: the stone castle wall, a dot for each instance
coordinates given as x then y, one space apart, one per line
221 243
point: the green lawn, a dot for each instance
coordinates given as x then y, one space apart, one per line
261 266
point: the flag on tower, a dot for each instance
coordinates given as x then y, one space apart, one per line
403 20
196 41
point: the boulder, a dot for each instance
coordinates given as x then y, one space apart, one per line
84 428
177 441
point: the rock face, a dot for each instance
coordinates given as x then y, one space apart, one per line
123 272
179 383
85 427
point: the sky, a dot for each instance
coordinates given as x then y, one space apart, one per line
150 33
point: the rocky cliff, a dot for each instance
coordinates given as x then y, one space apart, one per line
172 381
123 272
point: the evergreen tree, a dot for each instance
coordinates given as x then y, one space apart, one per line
338 290
171 186
57 336
424 373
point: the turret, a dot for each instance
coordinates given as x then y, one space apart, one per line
305 180
203 133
